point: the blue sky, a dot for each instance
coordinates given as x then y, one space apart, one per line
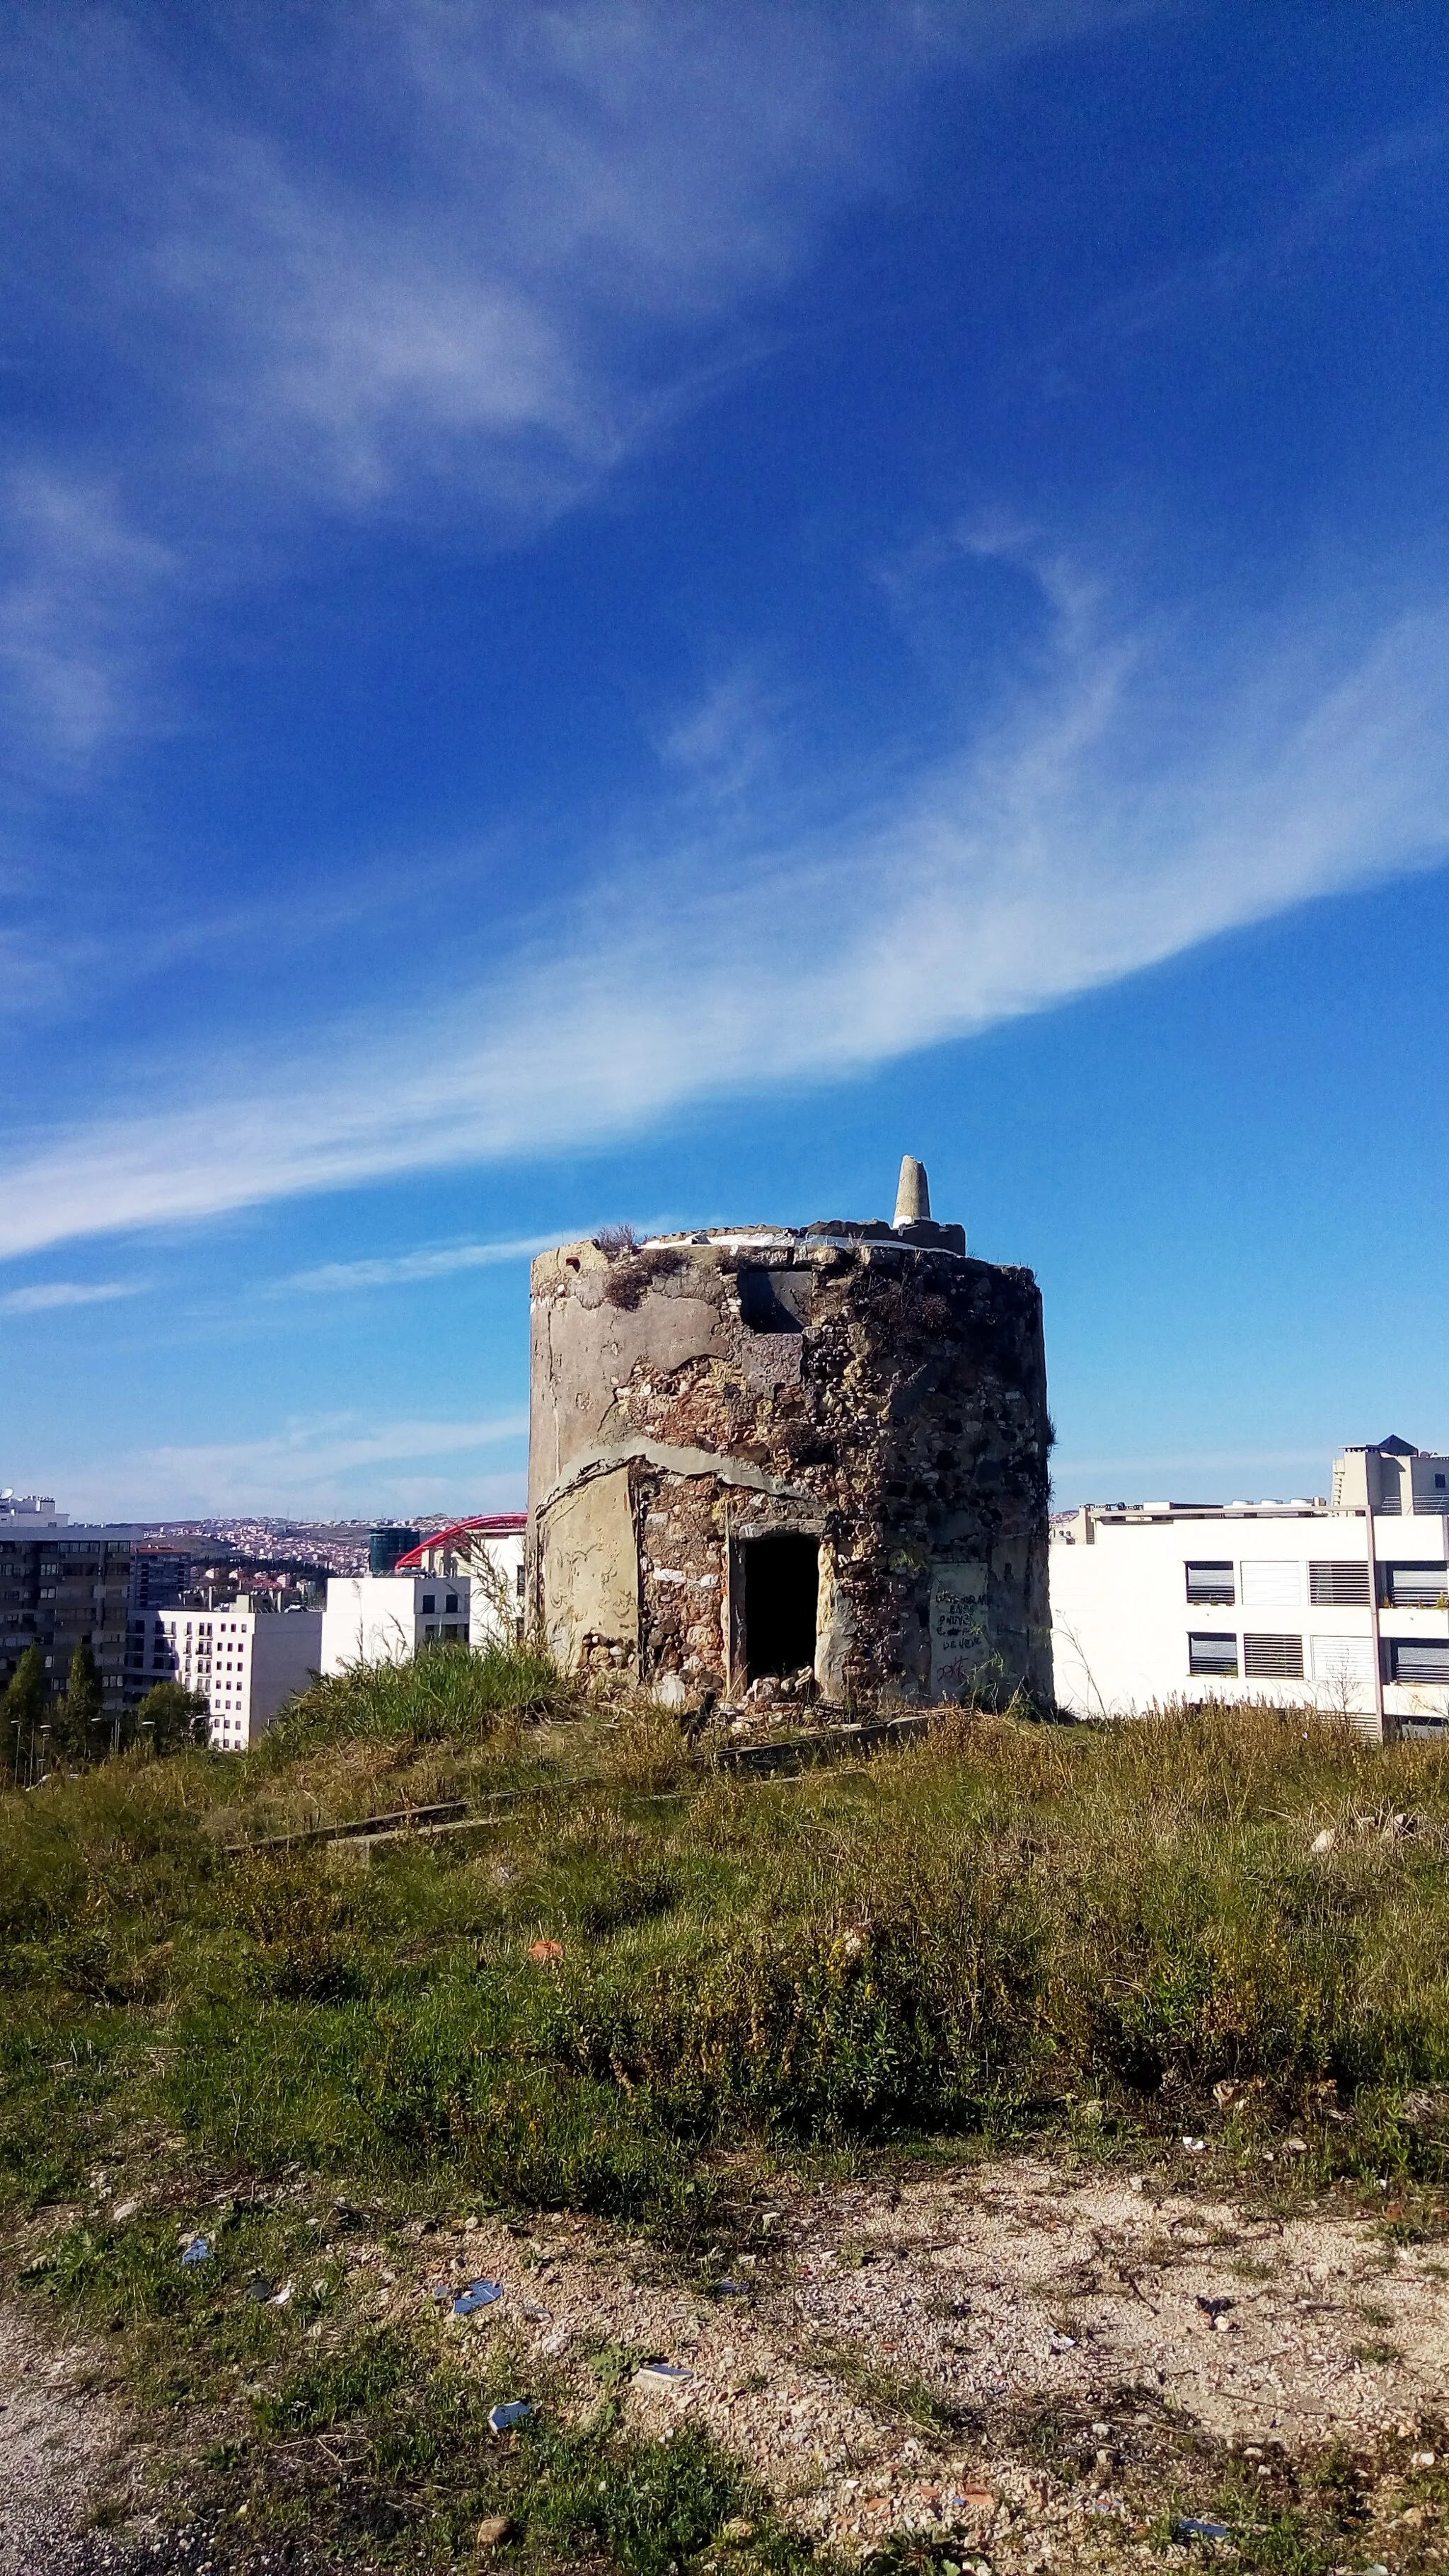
624 612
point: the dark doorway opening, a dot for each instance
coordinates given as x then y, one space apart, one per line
775 1301
782 1594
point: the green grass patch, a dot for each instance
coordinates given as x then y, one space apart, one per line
641 1983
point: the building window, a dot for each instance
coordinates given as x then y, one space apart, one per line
452 1601
1341 1662
1338 1586
1273 1659
1422 1659
1271 1583
1211 1582
1213 1654
1416 1587
430 1600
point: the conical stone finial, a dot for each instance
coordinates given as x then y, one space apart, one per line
913 1198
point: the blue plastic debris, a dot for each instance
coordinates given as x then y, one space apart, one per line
1194 2529
503 2418
198 2251
481 2295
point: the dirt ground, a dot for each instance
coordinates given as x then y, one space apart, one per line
62 2446
1073 2327
1097 2310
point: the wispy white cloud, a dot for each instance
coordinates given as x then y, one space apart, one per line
399 259
402 1269
337 1464
44 1296
1132 801
79 592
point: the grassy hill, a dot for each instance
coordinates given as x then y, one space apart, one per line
635 1987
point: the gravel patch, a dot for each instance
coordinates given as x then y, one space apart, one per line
1020 2356
1011 2302
62 2445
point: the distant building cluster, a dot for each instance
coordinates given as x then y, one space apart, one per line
242 1641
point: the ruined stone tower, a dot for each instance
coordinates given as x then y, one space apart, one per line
767 1449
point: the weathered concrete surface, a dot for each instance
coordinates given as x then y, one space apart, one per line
880 1392
589 1577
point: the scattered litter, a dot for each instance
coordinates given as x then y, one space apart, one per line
1194 2146
1215 2308
976 2499
481 2295
1195 2529
1064 2343
733 2289
1327 1840
1423 2459
1295 2146
260 2289
498 2527
198 2251
283 2298
664 2374
545 1951
503 2418
123 2210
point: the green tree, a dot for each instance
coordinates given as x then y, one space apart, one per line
169 1716
77 1721
24 1708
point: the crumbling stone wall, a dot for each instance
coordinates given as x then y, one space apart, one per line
872 1389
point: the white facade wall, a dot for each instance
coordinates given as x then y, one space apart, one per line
384 1618
245 1664
1292 1623
493 1559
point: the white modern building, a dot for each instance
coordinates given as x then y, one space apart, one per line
489 1551
384 1618
20 1513
1341 1604
246 1664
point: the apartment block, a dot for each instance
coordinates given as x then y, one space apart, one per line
1342 1604
61 1583
384 1618
489 1550
245 1663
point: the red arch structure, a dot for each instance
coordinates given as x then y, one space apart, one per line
484 1524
